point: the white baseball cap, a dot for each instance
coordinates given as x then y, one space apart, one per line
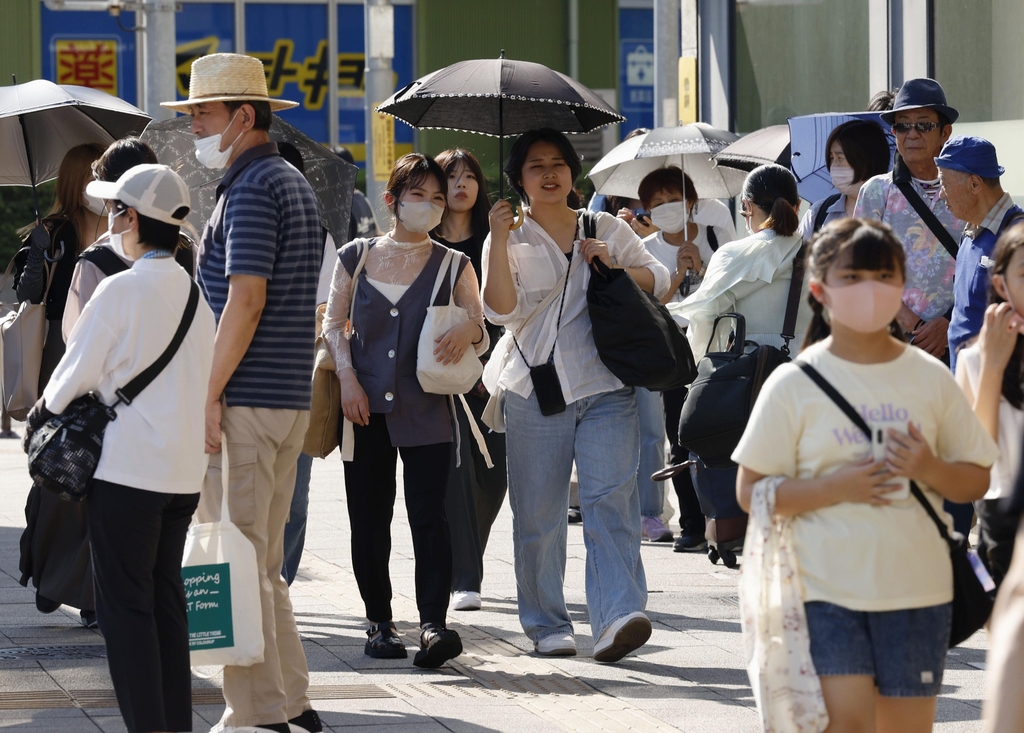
153 190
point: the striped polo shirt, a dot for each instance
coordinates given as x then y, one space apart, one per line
266 223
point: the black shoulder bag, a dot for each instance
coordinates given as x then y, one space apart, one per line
719 402
63 452
972 604
636 336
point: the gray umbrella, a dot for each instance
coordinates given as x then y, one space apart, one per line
40 121
331 178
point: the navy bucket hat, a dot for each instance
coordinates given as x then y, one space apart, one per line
975 156
918 94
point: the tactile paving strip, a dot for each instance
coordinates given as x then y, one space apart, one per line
497 667
60 651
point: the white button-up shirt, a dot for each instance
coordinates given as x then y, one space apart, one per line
539 267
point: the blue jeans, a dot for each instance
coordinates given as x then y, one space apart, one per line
651 411
295 529
601 433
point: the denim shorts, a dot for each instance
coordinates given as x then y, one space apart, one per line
905 651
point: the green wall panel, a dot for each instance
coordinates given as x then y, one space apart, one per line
19 40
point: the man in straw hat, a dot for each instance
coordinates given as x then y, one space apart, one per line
258 267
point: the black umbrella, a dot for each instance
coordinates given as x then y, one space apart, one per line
499 97
330 177
40 121
767 145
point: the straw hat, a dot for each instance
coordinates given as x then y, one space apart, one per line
228 77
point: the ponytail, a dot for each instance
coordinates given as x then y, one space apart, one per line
819 329
772 189
782 218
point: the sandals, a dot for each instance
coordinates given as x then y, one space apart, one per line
383 642
437 645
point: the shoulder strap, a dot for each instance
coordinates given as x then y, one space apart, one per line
442 273
819 218
796 286
842 403
928 217
712 238
105 259
132 390
363 246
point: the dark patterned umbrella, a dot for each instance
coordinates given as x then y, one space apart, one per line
499 97
331 178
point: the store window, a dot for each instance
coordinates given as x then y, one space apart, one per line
979 56
797 57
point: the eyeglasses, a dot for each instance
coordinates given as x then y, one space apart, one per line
922 127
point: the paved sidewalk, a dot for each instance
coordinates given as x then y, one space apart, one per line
689 677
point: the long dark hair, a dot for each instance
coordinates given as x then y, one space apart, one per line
874 247
449 160
772 188
1009 243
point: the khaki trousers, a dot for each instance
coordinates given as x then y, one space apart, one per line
264 446
1003 709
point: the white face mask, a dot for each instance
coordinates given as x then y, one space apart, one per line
93 203
842 179
670 217
208 151
115 239
419 217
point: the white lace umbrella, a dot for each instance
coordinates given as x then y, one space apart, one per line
689 146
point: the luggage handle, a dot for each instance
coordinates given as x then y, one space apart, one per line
741 333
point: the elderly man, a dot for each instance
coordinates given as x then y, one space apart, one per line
970 175
908 199
258 267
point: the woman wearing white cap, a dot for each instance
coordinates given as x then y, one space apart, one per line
151 470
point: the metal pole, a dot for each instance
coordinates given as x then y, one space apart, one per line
574 39
667 41
332 72
379 85
159 62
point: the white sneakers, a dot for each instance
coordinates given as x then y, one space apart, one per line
465 600
556 645
624 635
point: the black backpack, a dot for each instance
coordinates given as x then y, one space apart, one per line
636 336
105 259
719 402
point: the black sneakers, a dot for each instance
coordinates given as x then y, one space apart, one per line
309 721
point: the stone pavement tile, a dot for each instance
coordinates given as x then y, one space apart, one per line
18 680
708 716
9 718
38 721
354 713
506 716
79 674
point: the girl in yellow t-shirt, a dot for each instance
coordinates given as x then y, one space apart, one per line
876 575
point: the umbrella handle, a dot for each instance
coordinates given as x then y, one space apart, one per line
520 218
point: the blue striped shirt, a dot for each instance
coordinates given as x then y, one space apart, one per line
266 223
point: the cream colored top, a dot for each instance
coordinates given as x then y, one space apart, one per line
856 555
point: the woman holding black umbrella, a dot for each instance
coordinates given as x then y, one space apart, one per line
562 404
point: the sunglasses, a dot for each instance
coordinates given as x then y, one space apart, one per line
922 127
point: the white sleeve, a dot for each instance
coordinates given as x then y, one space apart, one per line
85 362
323 288
628 250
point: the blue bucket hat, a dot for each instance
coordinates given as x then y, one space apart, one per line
917 94
972 155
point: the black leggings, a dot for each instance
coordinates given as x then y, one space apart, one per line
689 506
370 487
138 538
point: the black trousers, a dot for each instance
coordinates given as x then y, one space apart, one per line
138 538
998 529
371 488
475 496
689 506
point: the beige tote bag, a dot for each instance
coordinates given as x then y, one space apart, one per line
22 334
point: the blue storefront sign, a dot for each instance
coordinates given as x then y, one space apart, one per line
91 49
636 67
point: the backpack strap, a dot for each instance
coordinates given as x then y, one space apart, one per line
796 286
928 217
105 259
712 238
589 223
819 219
